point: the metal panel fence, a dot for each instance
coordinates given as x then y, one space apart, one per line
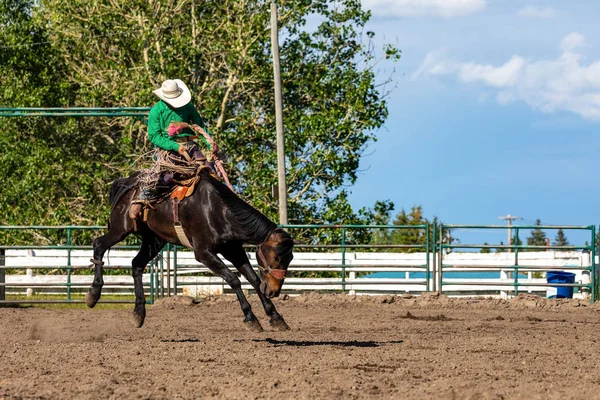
343 264
517 267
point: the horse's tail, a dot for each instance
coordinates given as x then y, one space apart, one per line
120 187
114 189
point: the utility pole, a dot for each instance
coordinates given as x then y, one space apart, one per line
283 219
509 219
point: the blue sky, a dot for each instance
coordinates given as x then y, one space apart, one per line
496 111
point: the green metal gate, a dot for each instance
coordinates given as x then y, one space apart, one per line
517 267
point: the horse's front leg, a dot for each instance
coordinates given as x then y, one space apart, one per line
241 262
218 267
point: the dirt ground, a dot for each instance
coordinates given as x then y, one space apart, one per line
340 346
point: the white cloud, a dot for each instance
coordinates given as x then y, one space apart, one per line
537 12
566 83
420 8
571 42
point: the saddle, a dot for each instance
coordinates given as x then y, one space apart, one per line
178 192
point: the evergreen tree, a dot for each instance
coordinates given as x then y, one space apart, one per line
409 236
560 239
381 216
406 235
485 249
500 249
537 237
514 241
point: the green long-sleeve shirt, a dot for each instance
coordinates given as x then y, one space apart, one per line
161 115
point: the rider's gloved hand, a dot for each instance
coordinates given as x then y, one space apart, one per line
182 150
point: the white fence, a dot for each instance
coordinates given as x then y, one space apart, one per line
400 269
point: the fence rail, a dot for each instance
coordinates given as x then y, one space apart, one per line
354 267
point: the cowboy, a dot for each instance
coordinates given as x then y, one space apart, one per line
174 106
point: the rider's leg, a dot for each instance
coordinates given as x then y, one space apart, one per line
138 204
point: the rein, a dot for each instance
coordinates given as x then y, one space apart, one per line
216 159
176 127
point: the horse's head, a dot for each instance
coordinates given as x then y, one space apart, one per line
273 256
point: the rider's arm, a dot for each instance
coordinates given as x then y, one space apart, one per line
196 119
157 135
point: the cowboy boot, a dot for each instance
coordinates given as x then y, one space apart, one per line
136 208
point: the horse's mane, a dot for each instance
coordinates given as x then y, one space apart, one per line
252 222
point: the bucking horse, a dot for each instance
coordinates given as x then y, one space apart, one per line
215 221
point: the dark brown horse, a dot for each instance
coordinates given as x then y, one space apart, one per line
215 220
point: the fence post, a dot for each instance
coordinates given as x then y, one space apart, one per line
29 273
427 248
434 259
440 264
594 271
69 264
2 275
343 260
175 275
516 266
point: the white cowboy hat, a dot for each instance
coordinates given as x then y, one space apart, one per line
174 92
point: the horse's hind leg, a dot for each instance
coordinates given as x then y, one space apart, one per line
101 245
151 246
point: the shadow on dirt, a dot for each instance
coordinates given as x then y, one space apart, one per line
341 343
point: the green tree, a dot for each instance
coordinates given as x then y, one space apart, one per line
381 215
514 242
485 249
331 101
109 53
500 249
407 235
537 237
560 239
46 181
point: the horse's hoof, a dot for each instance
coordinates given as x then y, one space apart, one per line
138 320
254 326
91 300
279 324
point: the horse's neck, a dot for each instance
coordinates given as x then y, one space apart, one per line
255 234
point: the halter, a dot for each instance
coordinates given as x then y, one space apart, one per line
278 274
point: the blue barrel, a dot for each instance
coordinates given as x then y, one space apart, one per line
560 292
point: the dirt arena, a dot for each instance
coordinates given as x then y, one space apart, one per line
340 346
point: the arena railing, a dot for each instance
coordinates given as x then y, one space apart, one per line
517 267
338 270
68 259
139 112
329 273
169 272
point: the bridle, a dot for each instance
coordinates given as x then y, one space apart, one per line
278 274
